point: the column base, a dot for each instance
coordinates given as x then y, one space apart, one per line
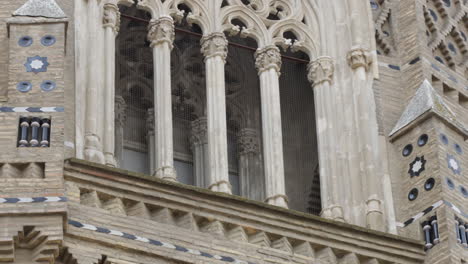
166 173
374 215
326 213
92 150
278 200
337 213
110 160
221 186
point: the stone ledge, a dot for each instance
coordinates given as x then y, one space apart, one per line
290 224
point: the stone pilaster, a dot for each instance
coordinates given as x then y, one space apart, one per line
120 119
360 61
93 150
214 48
320 74
251 185
150 138
161 35
111 23
199 143
268 64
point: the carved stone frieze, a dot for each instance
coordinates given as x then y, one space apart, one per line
359 57
120 111
248 142
321 70
214 44
160 31
111 17
267 58
199 131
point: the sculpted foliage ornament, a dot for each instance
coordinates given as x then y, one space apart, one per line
199 131
321 70
248 142
160 31
120 110
359 57
214 44
111 17
268 58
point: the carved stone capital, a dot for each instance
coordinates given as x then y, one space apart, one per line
150 120
199 131
267 58
321 70
111 17
248 142
161 30
120 111
359 57
214 44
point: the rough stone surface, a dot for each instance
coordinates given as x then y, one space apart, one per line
40 8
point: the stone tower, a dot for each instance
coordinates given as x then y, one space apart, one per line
233 131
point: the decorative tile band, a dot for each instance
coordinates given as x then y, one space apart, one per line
45 199
155 242
52 109
429 209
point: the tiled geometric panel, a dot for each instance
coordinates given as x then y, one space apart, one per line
155 242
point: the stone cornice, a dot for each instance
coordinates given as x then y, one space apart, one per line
214 44
267 58
161 31
321 70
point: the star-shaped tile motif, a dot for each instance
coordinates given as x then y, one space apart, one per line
417 166
36 64
453 164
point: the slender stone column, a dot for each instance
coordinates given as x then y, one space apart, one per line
199 142
360 61
214 48
150 138
321 75
268 64
161 35
251 182
120 118
111 21
93 146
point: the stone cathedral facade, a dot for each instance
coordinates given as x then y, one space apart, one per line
234 131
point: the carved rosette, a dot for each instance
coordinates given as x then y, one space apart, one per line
111 17
214 44
248 142
160 31
267 58
150 120
321 70
199 131
120 111
359 57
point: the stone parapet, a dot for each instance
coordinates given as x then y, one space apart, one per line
135 210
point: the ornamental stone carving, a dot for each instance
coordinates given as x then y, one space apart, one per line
160 31
247 141
120 111
321 70
214 44
150 121
268 58
199 131
111 17
359 57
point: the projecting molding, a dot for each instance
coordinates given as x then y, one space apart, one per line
40 8
426 102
